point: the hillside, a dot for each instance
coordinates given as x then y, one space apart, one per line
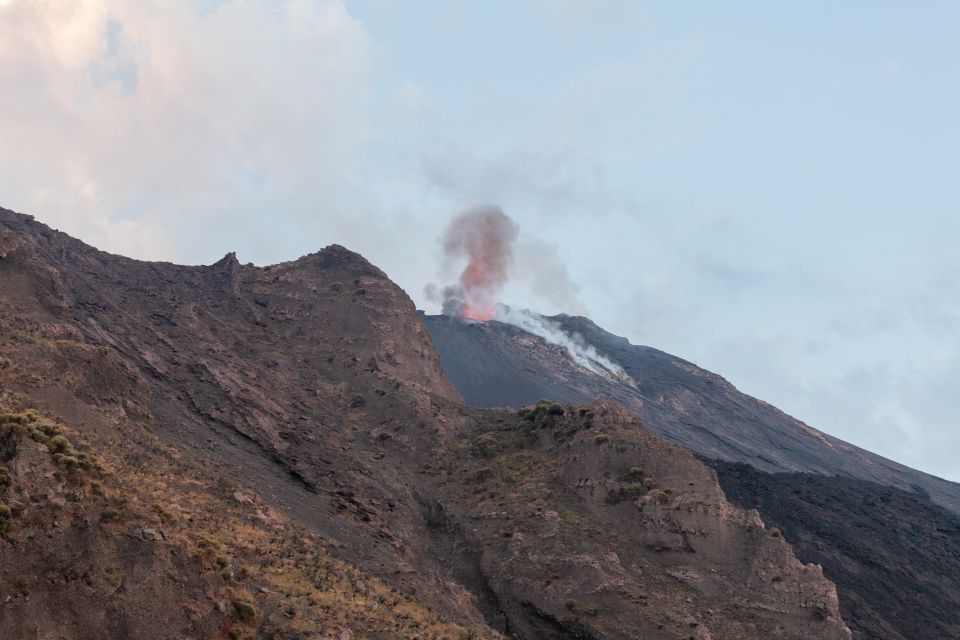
493 364
893 553
276 453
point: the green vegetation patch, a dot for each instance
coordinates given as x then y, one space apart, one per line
6 519
563 421
72 460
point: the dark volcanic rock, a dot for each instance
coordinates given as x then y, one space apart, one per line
494 364
894 555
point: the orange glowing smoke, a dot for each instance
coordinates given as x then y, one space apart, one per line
485 236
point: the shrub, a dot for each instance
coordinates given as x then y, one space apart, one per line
555 409
114 576
600 438
486 445
591 609
633 489
206 541
111 514
6 519
661 496
242 603
211 551
356 401
456 632
31 425
59 444
570 604
775 532
5 479
648 482
67 463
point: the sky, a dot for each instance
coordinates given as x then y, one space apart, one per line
769 190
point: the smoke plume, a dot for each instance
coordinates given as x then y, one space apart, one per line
485 237
581 352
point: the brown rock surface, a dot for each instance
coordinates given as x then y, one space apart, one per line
581 520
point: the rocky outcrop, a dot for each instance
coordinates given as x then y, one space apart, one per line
589 526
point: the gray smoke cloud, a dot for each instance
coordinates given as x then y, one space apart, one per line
540 265
489 241
484 236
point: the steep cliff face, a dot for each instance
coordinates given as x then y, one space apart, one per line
585 525
494 364
282 444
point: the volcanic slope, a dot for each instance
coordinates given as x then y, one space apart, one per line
493 364
276 453
894 555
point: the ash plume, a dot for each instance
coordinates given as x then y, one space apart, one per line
485 237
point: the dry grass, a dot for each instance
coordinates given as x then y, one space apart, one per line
271 577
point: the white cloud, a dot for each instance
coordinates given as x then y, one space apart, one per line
410 95
122 119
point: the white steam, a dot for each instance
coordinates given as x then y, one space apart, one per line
577 348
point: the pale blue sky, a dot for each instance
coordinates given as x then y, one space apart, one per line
767 189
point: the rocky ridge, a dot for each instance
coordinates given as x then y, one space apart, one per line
295 424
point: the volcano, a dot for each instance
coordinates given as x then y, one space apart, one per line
233 451
885 533
494 364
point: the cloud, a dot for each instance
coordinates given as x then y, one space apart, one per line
907 413
122 120
410 95
542 270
